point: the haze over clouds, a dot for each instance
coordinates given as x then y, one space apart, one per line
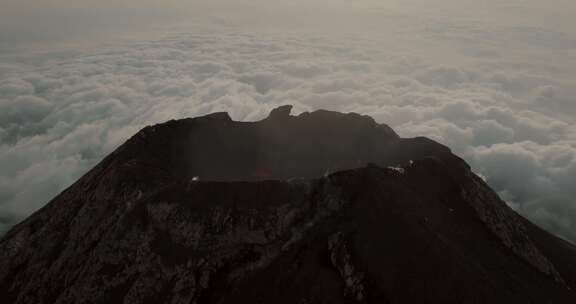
495 81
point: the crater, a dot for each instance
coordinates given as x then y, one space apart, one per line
282 146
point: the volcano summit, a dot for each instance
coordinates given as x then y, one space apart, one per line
323 207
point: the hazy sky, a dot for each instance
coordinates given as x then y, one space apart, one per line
495 80
33 20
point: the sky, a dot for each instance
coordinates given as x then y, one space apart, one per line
493 80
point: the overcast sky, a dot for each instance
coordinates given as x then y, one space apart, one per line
494 80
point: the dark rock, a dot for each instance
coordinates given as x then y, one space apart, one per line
281 112
322 207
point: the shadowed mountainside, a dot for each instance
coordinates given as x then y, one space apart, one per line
322 207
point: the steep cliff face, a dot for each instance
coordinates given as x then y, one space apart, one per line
322 207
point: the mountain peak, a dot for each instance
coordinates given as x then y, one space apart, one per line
322 207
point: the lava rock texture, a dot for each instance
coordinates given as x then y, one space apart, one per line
322 207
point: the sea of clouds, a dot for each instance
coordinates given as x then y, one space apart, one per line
502 98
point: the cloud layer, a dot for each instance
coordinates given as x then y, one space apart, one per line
486 92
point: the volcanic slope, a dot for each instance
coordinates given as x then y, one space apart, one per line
323 207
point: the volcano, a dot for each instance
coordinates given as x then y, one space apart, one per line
322 207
